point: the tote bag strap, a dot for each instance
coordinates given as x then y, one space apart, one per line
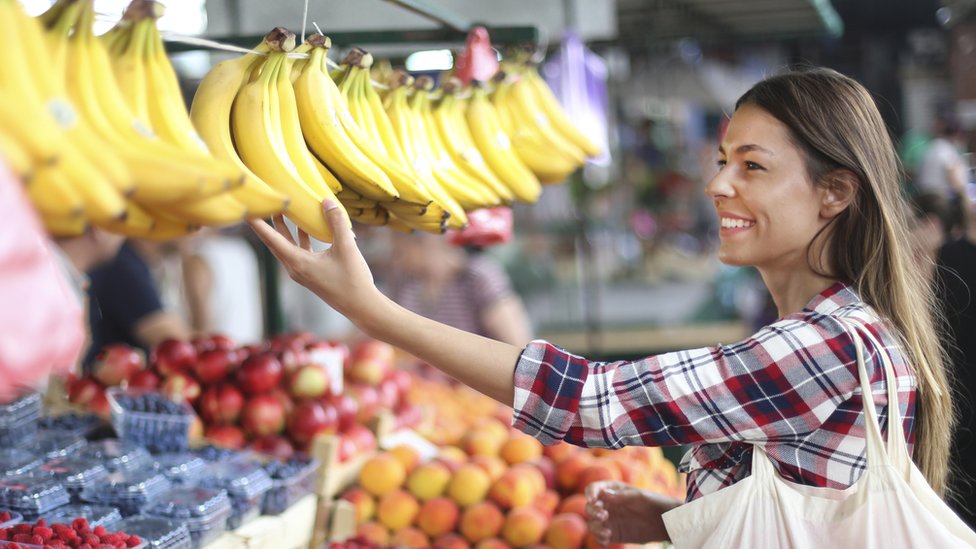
897 448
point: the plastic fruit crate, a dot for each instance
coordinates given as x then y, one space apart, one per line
157 532
290 481
32 494
204 510
96 515
130 491
14 461
181 468
149 419
53 444
246 483
72 423
118 455
15 518
18 419
76 472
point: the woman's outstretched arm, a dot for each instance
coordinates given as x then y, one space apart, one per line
341 277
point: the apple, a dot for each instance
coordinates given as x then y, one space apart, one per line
116 363
180 387
83 390
311 418
247 350
225 436
408 416
367 401
222 341
259 373
364 438
214 365
201 344
284 398
173 356
99 404
346 407
370 361
280 342
309 381
292 359
347 448
221 404
403 380
389 393
275 446
145 379
263 415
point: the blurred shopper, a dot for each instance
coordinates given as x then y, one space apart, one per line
930 224
808 192
943 169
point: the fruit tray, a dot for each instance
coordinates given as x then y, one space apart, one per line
157 532
76 472
12 517
204 510
246 483
117 455
130 491
181 468
74 423
14 461
32 494
149 419
18 419
54 444
290 482
96 515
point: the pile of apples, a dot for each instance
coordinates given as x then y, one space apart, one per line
275 397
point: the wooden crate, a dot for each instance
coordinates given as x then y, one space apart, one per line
342 520
299 523
229 540
334 475
262 532
320 531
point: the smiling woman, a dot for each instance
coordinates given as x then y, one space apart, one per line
808 192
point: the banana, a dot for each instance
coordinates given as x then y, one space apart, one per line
215 211
139 223
370 216
129 68
62 227
329 129
210 114
16 157
496 147
547 101
260 145
54 195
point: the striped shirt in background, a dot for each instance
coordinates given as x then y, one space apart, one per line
792 387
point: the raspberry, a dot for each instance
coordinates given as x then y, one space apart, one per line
4 532
133 541
85 546
100 531
36 540
80 524
22 528
13 546
22 538
4 516
43 531
41 522
91 539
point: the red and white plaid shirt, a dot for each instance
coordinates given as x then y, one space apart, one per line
792 387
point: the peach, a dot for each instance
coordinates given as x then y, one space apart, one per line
524 526
453 457
438 516
493 426
397 509
514 488
374 532
470 484
406 455
575 503
382 474
451 541
569 470
429 480
481 521
560 451
482 443
363 502
520 448
548 469
598 470
492 543
547 502
493 465
410 538
566 531
534 474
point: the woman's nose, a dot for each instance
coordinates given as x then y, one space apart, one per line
719 186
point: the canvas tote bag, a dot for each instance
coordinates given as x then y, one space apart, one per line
890 506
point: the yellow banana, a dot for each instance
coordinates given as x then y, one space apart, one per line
136 223
370 216
16 157
129 68
547 101
260 146
327 127
64 227
496 147
214 211
53 194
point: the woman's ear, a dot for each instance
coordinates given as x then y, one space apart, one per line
838 192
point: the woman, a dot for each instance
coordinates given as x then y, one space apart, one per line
807 192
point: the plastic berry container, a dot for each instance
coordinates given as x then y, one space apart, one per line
72 422
96 515
204 510
118 455
15 518
181 468
149 419
290 481
18 419
54 444
76 472
32 494
246 483
211 453
14 462
130 491
157 532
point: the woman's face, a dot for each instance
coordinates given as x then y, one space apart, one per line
769 210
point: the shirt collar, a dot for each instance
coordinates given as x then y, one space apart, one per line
838 295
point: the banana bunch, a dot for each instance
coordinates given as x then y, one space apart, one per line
541 133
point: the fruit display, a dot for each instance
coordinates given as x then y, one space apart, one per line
291 480
19 418
95 515
76 472
204 510
79 533
129 491
148 419
158 532
245 481
32 494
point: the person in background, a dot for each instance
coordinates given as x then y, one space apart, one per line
943 169
930 225
81 254
125 306
808 192
460 287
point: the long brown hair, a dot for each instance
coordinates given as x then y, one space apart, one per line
835 121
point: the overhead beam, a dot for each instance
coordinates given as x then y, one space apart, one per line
435 13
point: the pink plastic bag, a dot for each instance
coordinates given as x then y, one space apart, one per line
486 227
42 325
477 61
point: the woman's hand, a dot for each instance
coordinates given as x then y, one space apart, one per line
339 275
621 513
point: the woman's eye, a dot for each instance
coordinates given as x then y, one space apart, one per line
720 164
753 166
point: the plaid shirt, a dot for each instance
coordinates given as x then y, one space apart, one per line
792 387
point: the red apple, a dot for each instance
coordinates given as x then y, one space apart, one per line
180 387
259 373
201 344
408 416
222 341
367 401
263 415
83 390
364 438
221 404
370 361
213 365
280 342
310 418
247 350
116 363
286 402
347 448
346 407
292 359
173 356
276 446
225 436
99 404
389 394
309 381
403 380
145 379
